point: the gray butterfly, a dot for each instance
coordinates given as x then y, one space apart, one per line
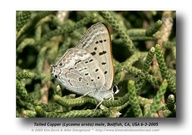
87 69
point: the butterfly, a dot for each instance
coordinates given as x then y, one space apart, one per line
87 69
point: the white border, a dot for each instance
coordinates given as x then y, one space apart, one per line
8 121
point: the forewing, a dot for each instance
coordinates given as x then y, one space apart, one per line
97 42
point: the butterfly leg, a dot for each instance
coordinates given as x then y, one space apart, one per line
85 94
98 105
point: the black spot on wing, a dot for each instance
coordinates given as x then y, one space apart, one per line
77 62
100 41
90 60
102 53
80 78
71 69
103 63
93 53
70 83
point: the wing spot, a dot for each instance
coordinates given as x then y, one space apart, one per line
95 48
93 53
103 52
104 40
70 69
90 60
82 69
77 62
96 42
86 73
80 78
105 72
101 41
103 63
96 70
98 77
60 64
70 83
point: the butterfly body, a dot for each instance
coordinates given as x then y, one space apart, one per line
87 69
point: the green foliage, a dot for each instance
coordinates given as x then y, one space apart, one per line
22 19
144 52
115 25
157 99
134 100
164 71
140 82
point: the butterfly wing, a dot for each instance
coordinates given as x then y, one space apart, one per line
97 42
79 72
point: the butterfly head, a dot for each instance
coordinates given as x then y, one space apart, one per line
55 71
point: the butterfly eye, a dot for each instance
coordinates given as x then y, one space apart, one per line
55 76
